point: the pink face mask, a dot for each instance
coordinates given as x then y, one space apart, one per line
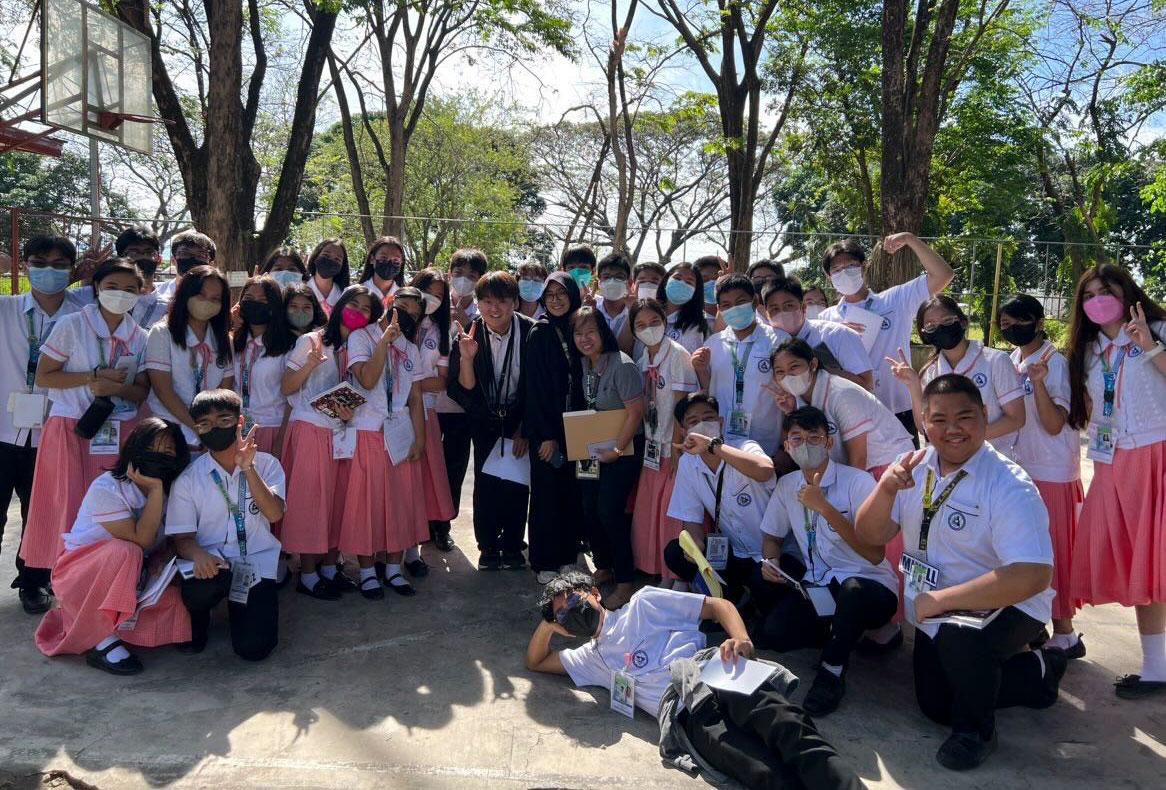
1104 309
353 319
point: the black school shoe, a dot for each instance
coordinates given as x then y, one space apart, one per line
372 589
513 561
99 659
490 561
323 591
1074 652
417 568
439 533
35 600
341 582
825 695
405 589
1133 687
963 751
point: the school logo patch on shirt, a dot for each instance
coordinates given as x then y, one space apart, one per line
1135 350
957 521
674 333
1027 386
253 508
744 500
886 322
763 365
430 343
831 428
639 659
980 380
409 365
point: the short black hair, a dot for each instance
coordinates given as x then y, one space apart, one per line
808 418
580 254
735 282
1023 307
140 440
194 238
649 266
796 346
114 266
39 245
569 582
215 400
594 314
765 263
138 234
710 260
789 285
694 399
952 384
851 247
531 268
615 260
469 256
498 285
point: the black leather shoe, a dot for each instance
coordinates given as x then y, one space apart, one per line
342 582
443 541
965 750
99 659
372 590
35 600
490 561
825 695
405 589
1133 687
513 561
417 568
322 591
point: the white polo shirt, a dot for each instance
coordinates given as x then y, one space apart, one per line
690 339
765 419
192 370
992 518
370 284
108 499
150 309
990 370
832 559
402 368
743 500
655 628
670 372
324 377
197 505
852 411
897 305
1048 458
165 290
1139 409
79 295
17 315
265 404
429 337
841 341
443 404
616 321
329 301
82 341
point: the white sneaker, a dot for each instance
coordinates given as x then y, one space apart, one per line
545 577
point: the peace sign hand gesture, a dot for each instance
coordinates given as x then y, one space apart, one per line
1138 329
900 475
392 331
316 355
245 448
902 370
811 496
784 400
1038 371
466 344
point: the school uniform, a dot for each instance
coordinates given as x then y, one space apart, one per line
198 506
66 463
386 295
988 515
150 309
165 290
26 326
690 339
258 376
439 504
670 372
1054 464
615 322
992 372
455 439
897 305
835 344
329 300
852 411
866 595
739 369
1117 554
382 510
193 369
95 581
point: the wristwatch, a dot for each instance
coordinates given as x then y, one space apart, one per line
714 444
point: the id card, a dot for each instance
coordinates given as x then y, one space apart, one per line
587 470
739 421
918 576
28 409
107 440
1101 445
243 578
716 551
623 693
343 443
652 453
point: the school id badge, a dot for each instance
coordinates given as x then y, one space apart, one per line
107 440
652 455
739 421
716 551
1101 443
623 693
587 469
243 578
918 577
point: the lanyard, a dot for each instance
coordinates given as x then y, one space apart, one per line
651 413
236 510
395 356
246 365
591 385
570 368
811 526
1109 376
930 508
500 381
341 357
145 322
117 349
204 351
34 341
717 504
739 370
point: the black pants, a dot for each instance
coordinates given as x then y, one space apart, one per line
963 675
499 505
765 741
254 625
455 446
16 467
908 420
555 517
740 573
605 511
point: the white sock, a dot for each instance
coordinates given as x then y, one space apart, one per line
412 553
884 634
310 580
395 570
368 575
119 653
1040 657
1063 641
328 571
1154 657
836 671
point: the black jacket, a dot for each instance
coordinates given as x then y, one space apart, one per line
553 385
474 401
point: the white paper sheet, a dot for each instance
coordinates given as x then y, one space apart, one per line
186 567
505 466
399 436
743 677
28 409
157 584
822 600
872 324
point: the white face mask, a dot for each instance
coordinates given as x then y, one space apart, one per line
809 456
117 302
463 286
790 322
646 290
848 281
814 310
613 289
710 428
797 385
650 336
431 303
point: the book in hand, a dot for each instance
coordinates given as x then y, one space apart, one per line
343 394
969 618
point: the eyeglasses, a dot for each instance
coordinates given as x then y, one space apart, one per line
225 421
931 326
814 440
555 296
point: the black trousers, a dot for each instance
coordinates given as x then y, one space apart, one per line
555 518
963 675
765 741
740 574
254 625
605 511
908 420
499 505
16 467
455 446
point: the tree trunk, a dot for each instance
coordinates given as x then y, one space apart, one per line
393 223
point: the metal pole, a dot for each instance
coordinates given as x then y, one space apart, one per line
993 328
14 253
94 194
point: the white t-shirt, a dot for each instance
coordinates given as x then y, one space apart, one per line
743 500
691 339
754 351
82 341
265 404
329 301
991 371
192 370
832 559
1050 459
108 499
897 305
853 411
616 321
402 368
671 372
324 377
841 341
992 518
17 315
198 505
429 337
655 628
1139 409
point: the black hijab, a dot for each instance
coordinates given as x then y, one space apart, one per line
573 296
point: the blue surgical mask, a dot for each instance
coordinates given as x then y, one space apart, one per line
739 317
678 292
581 276
530 290
286 278
710 293
48 280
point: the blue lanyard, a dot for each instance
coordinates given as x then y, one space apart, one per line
236 510
811 524
1109 378
739 365
34 342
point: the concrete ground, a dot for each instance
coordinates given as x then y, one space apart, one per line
430 692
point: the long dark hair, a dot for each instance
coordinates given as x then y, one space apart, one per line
277 337
440 317
595 315
319 317
290 253
178 316
948 304
141 439
367 271
332 335
342 277
1082 330
691 313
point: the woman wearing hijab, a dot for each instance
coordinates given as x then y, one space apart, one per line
551 389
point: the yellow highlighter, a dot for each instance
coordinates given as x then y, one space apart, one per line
705 571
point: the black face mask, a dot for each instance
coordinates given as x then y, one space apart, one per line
407 323
386 270
255 313
217 438
328 267
161 466
580 618
1019 334
147 266
944 337
183 265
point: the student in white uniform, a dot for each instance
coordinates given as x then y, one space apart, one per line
818 505
682 295
141 245
26 321
384 267
845 264
814 300
734 365
763 273
711 268
188 249
730 485
328 272
612 296
976 537
647 276
532 276
190 352
260 347
286 265
220 514
839 348
579 262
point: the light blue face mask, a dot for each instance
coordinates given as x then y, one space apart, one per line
530 290
678 292
286 278
710 293
581 276
739 317
48 280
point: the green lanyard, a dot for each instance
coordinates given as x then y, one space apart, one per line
236 510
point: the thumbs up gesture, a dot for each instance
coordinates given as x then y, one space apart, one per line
811 496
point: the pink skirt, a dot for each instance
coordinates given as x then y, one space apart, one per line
64 470
652 528
438 499
315 490
265 440
96 591
381 509
1119 552
1063 501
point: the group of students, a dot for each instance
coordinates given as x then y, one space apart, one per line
164 410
